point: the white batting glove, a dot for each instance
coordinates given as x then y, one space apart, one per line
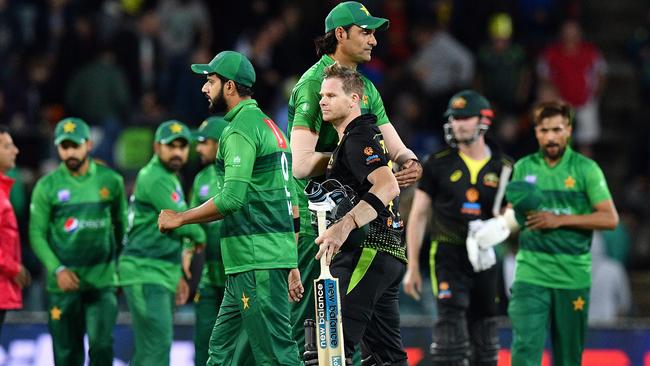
492 232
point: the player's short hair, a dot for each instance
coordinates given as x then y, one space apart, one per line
326 44
551 109
4 129
351 79
242 90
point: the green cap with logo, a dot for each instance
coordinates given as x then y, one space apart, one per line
352 12
171 130
231 65
469 103
211 128
71 129
525 197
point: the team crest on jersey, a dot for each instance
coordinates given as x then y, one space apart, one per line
455 176
444 292
569 183
71 225
491 180
204 190
63 195
532 179
104 193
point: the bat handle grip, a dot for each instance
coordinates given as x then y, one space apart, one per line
322 226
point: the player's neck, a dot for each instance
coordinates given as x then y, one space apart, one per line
343 59
233 101
342 124
477 150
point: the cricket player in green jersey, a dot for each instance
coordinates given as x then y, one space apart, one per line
258 244
348 40
150 264
560 197
213 278
77 221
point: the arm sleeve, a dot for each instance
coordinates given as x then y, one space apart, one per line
307 109
167 195
363 154
428 181
118 213
596 185
39 214
376 104
194 194
8 266
239 158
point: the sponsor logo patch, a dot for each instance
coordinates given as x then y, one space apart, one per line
443 291
531 179
455 176
63 195
204 190
71 225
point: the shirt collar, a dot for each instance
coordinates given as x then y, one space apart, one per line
233 112
364 119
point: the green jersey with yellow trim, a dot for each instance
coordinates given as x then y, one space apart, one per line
78 222
150 256
304 111
560 258
206 185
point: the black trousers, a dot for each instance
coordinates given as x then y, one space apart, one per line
369 284
460 289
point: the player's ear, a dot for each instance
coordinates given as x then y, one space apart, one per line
89 145
156 147
339 32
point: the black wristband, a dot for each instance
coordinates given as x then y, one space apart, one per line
374 202
415 160
296 224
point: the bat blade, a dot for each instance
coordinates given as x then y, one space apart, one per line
327 302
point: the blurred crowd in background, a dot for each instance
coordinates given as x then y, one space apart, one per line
123 66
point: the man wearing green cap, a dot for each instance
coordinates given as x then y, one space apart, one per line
257 236
77 221
459 185
348 40
553 270
213 279
150 264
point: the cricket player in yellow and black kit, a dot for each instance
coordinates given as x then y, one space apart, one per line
369 267
459 184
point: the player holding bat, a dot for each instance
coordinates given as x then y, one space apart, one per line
366 226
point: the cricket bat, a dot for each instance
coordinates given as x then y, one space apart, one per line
329 327
506 170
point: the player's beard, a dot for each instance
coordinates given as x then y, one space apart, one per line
74 164
553 151
218 103
174 164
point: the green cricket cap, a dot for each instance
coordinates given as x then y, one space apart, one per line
352 12
171 130
231 65
525 197
469 103
71 129
211 128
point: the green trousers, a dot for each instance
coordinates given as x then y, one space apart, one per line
533 309
206 307
309 271
152 310
73 314
254 320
